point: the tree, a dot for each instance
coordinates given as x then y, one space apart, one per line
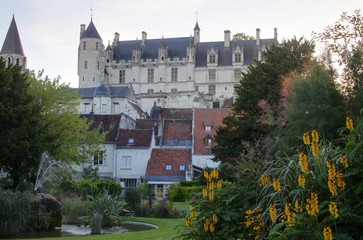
345 40
242 36
315 102
36 116
259 96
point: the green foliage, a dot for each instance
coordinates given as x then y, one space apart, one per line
179 193
38 115
73 209
92 187
133 198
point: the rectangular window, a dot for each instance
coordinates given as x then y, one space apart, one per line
212 75
237 74
196 88
84 45
122 76
131 141
168 167
128 182
174 90
208 142
174 74
104 108
150 91
85 64
150 75
100 158
182 167
212 58
98 65
237 57
126 162
96 45
212 89
208 128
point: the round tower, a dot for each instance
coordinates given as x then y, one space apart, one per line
91 57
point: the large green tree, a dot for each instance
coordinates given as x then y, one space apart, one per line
259 102
37 116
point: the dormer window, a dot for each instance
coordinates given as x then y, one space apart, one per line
208 142
207 128
212 58
131 141
237 57
168 167
84 45
96 45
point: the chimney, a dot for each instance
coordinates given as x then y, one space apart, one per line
258 36
83 28
144 36
227 38
275 34
116 38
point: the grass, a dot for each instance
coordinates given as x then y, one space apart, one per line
181 206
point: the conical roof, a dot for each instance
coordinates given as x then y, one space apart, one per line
196 27
102 90
12 43
91 32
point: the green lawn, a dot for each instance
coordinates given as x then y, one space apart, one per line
167 231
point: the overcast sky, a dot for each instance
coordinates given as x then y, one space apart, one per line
49 29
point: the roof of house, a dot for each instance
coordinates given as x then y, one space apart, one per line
12 43
177 133
108 123
134 138
176 113
104 90
161 157
146 124
91 32
212 117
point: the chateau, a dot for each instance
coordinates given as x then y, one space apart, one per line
156 98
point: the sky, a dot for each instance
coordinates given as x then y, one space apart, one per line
50 29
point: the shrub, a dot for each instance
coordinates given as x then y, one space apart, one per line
178 193
74 209
46 212
133 198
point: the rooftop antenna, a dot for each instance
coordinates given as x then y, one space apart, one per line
91 14
196 16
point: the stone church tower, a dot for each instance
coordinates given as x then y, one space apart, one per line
12 50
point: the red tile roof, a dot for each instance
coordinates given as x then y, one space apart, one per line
206 117
180 130
141 138
161 157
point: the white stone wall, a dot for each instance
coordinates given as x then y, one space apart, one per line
204 161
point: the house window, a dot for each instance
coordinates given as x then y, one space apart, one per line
237 57
237 74
96 45
98 65
196 88
212 89
174 74
122 76
85 64
150 75
212 58
100 158
174 90
126 162
150 91
131 141
168 167
104 108
208 142
208 128
212 75
17 61
84 45
128 182
182 167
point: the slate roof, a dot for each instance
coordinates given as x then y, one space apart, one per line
91 32
108 122
196 26
177 47
160 157
102 90
115 91
206 117
141 138
12 43
147 124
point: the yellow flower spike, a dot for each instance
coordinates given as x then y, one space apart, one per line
215 218
298 206
265 179
333 209
349 123
328 235
301 180
315 136
306 138
211 186
211 227
303 162
204 192
211 195
216 174
344 160
206 174
273 213
194 213
340 181
219 184
290 215
312 204
188 221
277 185
315 149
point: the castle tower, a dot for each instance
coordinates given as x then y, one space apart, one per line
12 50
196 33
91 57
